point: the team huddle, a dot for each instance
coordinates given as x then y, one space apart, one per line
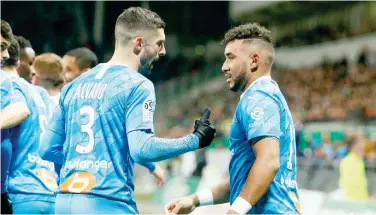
72 130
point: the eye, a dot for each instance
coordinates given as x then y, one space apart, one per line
160 44
3 47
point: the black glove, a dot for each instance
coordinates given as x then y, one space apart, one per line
204 130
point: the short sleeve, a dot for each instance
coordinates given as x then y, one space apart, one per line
18 95
260 116
141 108
6 92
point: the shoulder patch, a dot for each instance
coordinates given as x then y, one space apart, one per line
148 110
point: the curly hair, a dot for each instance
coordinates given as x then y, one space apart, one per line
247 31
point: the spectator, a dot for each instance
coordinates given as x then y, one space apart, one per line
353 181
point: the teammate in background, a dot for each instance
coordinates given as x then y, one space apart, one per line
32 181
6 92
78 61
263 165
104 123
47 71
27 56
27 53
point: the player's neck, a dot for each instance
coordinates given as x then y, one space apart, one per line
53 92
124 57
11 70
253 78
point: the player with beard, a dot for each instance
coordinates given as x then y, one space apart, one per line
262 136
104 123
48 72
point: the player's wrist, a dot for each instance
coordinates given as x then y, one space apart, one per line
195 200
205 197
241 205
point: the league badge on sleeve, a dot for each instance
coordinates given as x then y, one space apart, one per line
257 113
148 110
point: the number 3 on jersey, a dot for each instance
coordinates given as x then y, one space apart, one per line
87 128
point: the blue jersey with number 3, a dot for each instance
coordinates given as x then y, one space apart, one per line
263 112
88 131
30 177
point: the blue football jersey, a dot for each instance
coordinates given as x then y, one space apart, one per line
53 102
90 126
6 90
263 112
46 108
30 177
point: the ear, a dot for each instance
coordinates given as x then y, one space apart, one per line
34 80
254 61
138 44
18 64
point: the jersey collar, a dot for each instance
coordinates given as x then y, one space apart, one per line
265 77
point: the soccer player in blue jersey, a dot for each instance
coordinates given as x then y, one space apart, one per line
6 92
263 165
48 73
32 182
104 123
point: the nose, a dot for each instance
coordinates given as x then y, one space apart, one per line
225 67
162 52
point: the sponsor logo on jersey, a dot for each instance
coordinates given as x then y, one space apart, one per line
36 159
288 182
86 164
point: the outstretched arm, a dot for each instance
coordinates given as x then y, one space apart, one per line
216 195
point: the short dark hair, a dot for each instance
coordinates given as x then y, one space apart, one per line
14 54
135 19
247 31
6 31
85 58
23 42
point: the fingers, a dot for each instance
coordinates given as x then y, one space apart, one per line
160 182
176 209
168 207
205 116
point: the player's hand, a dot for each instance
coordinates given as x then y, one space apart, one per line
159 174
204 130
183 205
232 212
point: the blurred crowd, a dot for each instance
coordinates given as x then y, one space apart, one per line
332 92
324 33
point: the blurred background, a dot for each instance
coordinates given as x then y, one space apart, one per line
325 66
